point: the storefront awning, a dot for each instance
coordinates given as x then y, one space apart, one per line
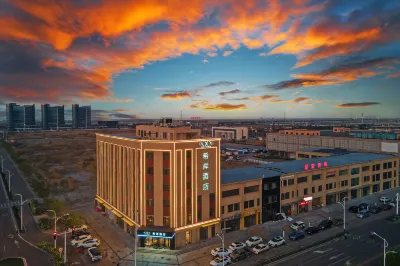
128 222
100 201
116 213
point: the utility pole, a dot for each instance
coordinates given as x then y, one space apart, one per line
397 204
65 248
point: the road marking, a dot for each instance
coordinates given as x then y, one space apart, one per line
335 257
316 258
346 258
322 251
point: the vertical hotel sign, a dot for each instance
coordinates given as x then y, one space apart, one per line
205 163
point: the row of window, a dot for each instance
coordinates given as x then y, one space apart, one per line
236 206
150 220
166 155
236 191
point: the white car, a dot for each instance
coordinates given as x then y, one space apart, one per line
254 240
94 254
221 252
298 225
277 241
385 199
78 239
89 243
219 262
237 245
260 248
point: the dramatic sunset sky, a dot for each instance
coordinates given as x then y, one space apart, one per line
209 58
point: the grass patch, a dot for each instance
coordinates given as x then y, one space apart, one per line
12 262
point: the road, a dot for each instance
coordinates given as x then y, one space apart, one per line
358 248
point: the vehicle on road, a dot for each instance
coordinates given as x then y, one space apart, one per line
385 199
237 245
312 230
260 248
254 240
94 254
364 206
221 261
363 214
298 225
80 233
89 243
239 255
353 209
325 224
375 209
297 235
337 221
80 238
386 207
221 252
277 241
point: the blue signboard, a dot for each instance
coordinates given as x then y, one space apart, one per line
375 135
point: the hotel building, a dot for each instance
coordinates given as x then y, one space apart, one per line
232 133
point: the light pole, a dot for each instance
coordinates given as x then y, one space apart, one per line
20 207
55 226
222 237
344 212
2 164
9 180
397 204
385 245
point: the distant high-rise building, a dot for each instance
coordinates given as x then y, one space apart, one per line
81 116
20 116
52 116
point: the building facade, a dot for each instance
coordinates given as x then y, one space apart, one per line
231 133
166 130
52 116
168 190
20 116
81 116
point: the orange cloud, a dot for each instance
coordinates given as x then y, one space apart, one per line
229 92
225 107
176 95
263 97
227 53
278 101
394 75
299 100
357 105
212 54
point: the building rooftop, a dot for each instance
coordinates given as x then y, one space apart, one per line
292 167
330 151
330 133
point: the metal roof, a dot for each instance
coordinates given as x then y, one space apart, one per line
330 133
291 167
330 151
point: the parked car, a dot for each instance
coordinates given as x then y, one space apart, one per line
221 252
363 214
80 233
237 245
94 253
254 240
375 209
364 206
353 209
89 243
325 224
276 241
337 221
80 238
312 230
386 207
221 261
260 248
385 199
298 225
297 235
238 255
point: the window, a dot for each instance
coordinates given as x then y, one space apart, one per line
150 219
150 170
188 154
329 186
355 171
236 207
376 177
188 200
319 188
266 186
246 204
274 185
189 185
344 183
188 169
230 193
366 178
385 166
290 182
212 212
165 187
274 198
305 191
343 172
390 165
149 202
251 189
230 208
166 171
284 196
149 155
355 181
166 203
313 190
301 179
365 168
166 155
284 183
222 209
166 220
316 177
258 202
376 167
149 186
390 174
385 175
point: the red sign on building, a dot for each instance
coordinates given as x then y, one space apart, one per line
313 166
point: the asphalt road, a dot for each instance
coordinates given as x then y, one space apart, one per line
358 248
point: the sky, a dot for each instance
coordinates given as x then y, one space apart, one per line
205 58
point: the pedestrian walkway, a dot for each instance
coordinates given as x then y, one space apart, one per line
9 204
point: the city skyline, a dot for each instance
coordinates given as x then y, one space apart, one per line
229 59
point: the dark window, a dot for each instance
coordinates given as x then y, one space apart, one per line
246 204
366 178
313 190
149 186
166 203
150 170
385 175
282 196
212 212
365 168
344 183
390 165
166 187
290 182
166 155
188 201
236 207
258 202
150 220
390 174
305 191
166 171
284 183
222 209
149 202
189 185
149 155
188 154
301 179
385 166
343 172
376 177
319 188
316 177
355 181
230 208
212 196
188 170
376 167
199 202
251 189
329 186
230 193
355 171
166 220
274 198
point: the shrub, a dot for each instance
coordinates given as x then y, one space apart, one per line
49 247
73 220
44 224
32 206
54 204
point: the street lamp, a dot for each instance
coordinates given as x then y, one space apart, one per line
344 212
9 180
55 226
385 245
397 204
2 164
222 237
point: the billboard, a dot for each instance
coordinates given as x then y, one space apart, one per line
374 135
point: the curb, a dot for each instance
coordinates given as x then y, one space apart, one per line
9 208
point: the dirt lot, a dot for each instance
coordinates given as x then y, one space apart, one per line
63 161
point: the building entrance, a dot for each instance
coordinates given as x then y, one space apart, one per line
153 242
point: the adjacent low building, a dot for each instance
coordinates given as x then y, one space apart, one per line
230 133
307 153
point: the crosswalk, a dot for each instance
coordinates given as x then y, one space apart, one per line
9 204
